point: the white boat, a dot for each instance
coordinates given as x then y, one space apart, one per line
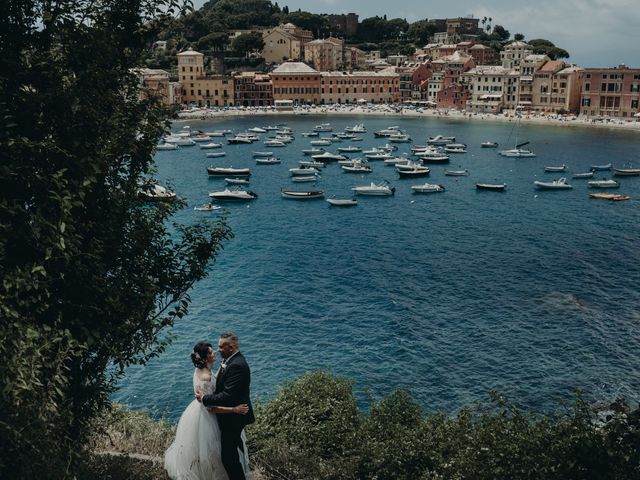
167 146
378 156
342 202
201 138
233 195
305 195
450 149
217 133
419 171
284 138
156 193
303 171
400 138
492 187
440 140
318 143
323 127
349 149
328 156
559 184
180 141
375 189
358 128
603 183
210 145
236 181
431 157
397 161
215 154
410 165
489 144
518 152
262 154
357 167
207 207
357 139
257 130
228 171
387 132
601 167
374 150
610 196
313 151
268 161
555 168
274 143
584 175
344 136
305 178
310 134
239 139
626 172
427 188
456 173
311 163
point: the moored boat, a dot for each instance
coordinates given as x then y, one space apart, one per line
262 154
609 196
601 168
236 181
456 173
626 172
268 161
583 175
427 188
233 195
210 145
555 168
167 146
328 156
440 140
156 193
604 183
489 144
305 178
215 154
303 171
228 172
302 195
207 207
342 202
559 184
375 189
494 187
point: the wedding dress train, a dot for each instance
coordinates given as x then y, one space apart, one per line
195 452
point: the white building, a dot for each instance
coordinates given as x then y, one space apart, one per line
514 53
492 88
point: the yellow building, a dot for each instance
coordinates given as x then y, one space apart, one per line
325 55
200 88
285 42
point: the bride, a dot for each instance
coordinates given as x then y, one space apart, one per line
195 452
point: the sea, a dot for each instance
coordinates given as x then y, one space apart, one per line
533 294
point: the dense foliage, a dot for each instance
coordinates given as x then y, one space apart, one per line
91 276
313 429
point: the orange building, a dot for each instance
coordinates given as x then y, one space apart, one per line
200 88
611 92
354 87
296 81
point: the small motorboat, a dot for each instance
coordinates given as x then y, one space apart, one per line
268 161
610 196
378 156
207 146
601 168
228 171
517 153
201 138
180 141
303 171
427 188
400 138
323 127
583 175
215 154
358 128
328 156
604 183
559 184
349 149
456 173
262 154
434 158
375 189
237 181
305 195
207 207
310 134
305 178
419 171
494 187
319 143
233 195
393 161
387 132
217 133
440 140
357 167
626 172
311 163
257 130
239 140
167 146
274 143
489 144
342 202
450 149
556 168
156 193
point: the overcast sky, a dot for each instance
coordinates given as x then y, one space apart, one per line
597 33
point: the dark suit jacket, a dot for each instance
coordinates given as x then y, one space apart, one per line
232 388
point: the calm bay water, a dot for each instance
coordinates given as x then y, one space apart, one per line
448 295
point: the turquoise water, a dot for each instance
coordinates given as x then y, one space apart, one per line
448 295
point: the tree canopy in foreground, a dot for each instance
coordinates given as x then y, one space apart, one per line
91 275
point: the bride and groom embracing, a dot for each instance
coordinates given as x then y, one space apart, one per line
210 442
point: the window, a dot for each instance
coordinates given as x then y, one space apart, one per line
634 103
586 102
587 87
635 87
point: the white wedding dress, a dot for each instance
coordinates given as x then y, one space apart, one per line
195 452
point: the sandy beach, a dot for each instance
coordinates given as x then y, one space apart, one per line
394 111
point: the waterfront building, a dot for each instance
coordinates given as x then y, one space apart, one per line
528 67
252 89
514 53
284 42
360 86
454 92
346 24
296 81
488 86
200 88
412 78
325 55
155 83
556 88
610 92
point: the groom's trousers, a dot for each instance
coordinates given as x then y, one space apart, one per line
231 440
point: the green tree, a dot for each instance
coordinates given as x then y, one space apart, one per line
247 43
419 32
518 37
546 47
500 33
318 24
91 276
216 41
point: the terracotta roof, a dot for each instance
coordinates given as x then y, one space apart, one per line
552 66
189 52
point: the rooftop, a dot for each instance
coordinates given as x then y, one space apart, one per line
294 67
189 52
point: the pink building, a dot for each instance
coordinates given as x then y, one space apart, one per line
453 93
610 92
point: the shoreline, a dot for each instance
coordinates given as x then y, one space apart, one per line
388 111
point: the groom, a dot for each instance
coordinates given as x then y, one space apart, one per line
232 388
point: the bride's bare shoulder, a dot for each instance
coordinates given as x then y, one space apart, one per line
203 374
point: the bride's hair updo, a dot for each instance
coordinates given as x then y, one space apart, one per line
200 353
